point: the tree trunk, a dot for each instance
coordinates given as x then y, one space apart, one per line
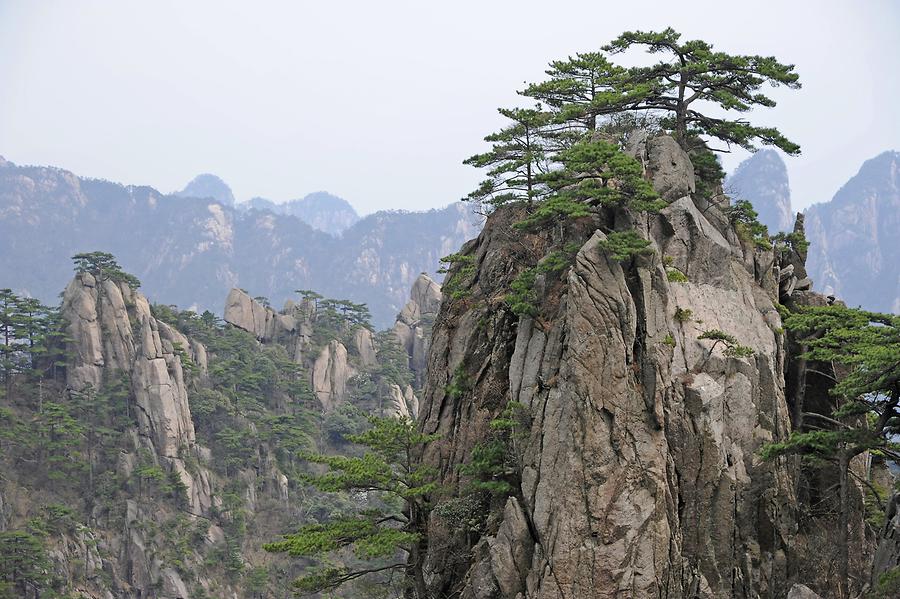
843 533
417 554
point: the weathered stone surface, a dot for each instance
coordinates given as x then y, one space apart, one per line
412 402
79 308
511 550
160 394
670 168
426 295
172 585
413 326
640 470
398 407
365 347
246 313
888 554
330 374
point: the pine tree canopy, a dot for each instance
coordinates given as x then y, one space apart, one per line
516 159
587 98
866 346
692 73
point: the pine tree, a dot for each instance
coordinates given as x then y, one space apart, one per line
387 471
867 418
103 266
583 87
691 74
24 567
516 160
593 173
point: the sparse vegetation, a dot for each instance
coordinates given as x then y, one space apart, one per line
673 275
733 349
456 285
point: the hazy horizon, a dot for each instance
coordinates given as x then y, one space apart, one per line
380 105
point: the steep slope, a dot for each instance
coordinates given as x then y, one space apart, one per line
763 180
414 323
162 454
192 251
632 441
854 252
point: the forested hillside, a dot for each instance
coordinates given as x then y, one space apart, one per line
152 452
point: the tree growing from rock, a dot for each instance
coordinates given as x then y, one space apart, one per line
516 160
866 346
582 88
692 77
593 173
385 534
103 266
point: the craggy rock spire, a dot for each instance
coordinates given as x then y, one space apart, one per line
413 326
639 470
112 330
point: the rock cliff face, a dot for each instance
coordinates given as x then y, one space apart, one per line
853 251
246 313
112 331
762 179
639 472
413 326
330 374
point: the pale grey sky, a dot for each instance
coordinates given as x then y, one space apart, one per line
379 102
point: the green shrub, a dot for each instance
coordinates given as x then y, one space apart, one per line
888 585
456 284
733 349
676 276
522 298
624 245
683 314
744 219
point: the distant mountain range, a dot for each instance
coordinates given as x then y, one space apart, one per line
190 251
320 210
854 242
189 248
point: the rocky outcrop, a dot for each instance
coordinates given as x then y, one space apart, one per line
413 326
79 308
801 591
887 556
160 393
853 252
111 330
639 469
762 180
330 374
664 162
790 267
246 313
403 403
364 343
